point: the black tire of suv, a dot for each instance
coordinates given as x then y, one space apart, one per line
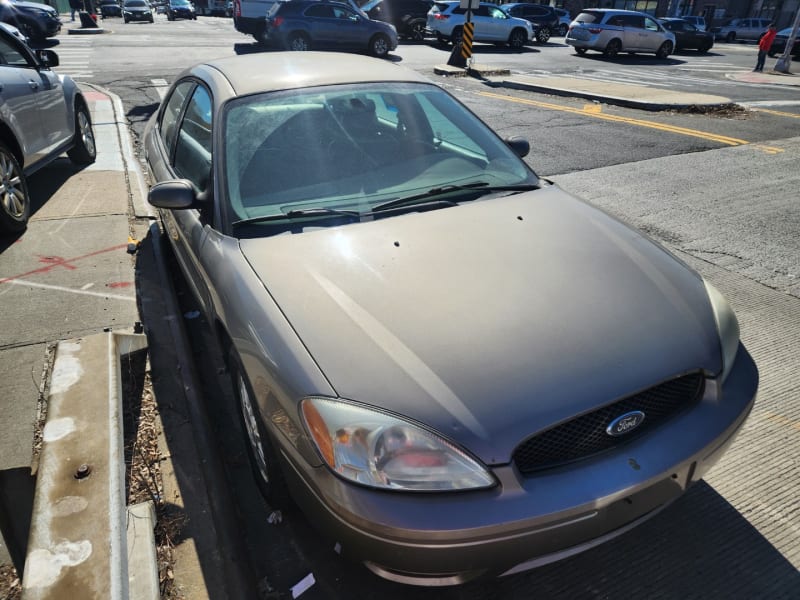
731 37
84 149
298 42
379 46
613 48
581 51
416 30
543 35
664 50
562 29
517 38
13 220
704 48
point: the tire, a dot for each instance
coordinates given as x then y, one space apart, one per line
379 46
580 51
771 54
704 49
543 35
263 458
517 39
152 20
416 30
665 50
298 42
261 36
613 48
456 36
127 20
84 149
15 201
731 37
562 29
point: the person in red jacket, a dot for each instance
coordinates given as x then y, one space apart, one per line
764 44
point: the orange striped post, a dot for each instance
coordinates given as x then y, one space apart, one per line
466 40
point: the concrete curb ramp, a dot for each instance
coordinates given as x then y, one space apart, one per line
82 537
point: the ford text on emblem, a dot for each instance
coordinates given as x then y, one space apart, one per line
625 423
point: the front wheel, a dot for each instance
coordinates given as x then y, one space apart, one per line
704 48
84 150
416 30
562 29
665 50
613 48
457 36
15 203
543 35
730 38
298 42
379 46
580 51
263 458
517 39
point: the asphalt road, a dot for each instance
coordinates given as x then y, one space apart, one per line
729 211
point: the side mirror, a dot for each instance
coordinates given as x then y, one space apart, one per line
177 194
47 57
519 145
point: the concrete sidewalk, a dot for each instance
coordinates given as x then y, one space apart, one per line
68 275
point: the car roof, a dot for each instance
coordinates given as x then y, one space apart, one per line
268 72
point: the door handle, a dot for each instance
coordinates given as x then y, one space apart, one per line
34 84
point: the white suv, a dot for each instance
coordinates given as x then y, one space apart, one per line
741 29
446 21
614 31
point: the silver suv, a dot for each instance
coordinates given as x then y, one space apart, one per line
614 31
741 29
492 24
42 115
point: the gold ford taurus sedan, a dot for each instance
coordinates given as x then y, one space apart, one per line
454 367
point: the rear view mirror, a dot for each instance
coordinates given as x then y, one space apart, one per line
519 145
176 195
48 58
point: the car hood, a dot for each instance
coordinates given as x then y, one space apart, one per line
491 320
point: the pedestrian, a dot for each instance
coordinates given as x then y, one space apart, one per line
75 5
764 44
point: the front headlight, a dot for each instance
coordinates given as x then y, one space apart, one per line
727 327
382 451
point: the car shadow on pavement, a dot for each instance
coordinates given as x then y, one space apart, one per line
632 59
46 183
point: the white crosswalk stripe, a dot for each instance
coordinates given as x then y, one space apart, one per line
74 56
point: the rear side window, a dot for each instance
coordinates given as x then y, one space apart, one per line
172 110
633 21
589 16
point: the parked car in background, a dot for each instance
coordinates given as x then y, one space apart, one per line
409 17
564 19
180 9
696 20
137 10
745 30
320 24
779 43
492 24
248 17
109 8
37 21
687 36
544 17
454 367
38 123
14 31
612 31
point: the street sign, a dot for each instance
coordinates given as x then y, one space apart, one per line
470 4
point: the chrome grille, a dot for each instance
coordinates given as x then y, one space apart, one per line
586 435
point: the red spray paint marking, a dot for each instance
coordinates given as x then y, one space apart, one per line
120 284
59 262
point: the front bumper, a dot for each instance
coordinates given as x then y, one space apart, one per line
137 16
446 539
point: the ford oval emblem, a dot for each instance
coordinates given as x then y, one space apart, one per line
626 423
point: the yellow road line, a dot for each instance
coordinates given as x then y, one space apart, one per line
722 139
781 420
777 112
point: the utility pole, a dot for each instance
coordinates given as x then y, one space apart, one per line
785 61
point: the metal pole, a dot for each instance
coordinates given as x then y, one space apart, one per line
785 61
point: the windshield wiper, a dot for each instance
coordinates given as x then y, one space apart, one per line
482 186
300 213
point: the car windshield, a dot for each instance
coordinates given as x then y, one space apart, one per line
137 3
357 147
